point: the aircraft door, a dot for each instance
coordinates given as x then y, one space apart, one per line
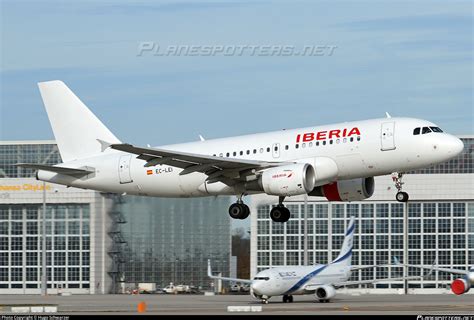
387 136
124 169
276 150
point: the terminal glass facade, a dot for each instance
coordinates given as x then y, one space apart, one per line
170 240
67 246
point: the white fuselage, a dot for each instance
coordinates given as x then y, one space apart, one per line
359 149
294 280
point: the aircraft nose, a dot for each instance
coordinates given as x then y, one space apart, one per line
255 286
455 146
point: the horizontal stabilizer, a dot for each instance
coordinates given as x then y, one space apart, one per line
60 170
209 274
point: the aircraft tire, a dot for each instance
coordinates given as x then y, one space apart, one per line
238 211
402 196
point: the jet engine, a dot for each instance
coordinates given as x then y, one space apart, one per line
460 286
346 190
325 292
289 180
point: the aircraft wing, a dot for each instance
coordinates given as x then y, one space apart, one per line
191 162
351 283
453 271
61 170
209 274
372 266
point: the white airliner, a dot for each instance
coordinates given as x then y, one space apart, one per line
320 280
460 285
337 161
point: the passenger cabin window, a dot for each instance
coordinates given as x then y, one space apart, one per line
241 153
235 153
416 131
268 149
248 151
254 151
425 130
286 147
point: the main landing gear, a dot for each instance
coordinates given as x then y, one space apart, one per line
239 210
280 213
397 179
287 298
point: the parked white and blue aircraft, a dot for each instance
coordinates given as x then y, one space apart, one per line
336 161
322 280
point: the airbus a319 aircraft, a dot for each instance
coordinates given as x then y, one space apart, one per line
336 161
320 280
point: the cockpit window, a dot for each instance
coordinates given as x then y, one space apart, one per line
416 131
262 278
425 130
436 129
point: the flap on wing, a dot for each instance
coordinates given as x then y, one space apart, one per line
60 170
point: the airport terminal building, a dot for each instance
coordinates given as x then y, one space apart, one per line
101 243
440 227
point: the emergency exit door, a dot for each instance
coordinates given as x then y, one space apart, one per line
387 136
124 169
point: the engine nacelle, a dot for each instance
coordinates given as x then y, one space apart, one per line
346 190
460 286
325 292
290 180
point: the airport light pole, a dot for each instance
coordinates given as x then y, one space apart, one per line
44 289
405 248
305 240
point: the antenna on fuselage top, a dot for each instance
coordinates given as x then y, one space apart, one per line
388 115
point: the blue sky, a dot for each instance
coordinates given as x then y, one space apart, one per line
410 58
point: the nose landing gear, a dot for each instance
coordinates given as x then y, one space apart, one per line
287 298
397 179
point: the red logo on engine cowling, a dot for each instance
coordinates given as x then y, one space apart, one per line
327 134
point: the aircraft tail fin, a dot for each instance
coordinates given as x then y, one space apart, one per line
345 255
77 130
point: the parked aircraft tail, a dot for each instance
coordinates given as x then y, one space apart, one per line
345 254
78 132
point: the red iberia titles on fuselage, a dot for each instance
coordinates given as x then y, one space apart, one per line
327 134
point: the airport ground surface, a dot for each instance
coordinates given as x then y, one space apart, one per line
200 304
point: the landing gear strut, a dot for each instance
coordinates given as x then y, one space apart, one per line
287 298
397 179
280 213
239 210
